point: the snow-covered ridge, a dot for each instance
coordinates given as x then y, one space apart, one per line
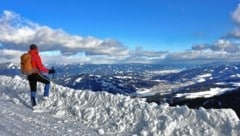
164 72
201 78
117 114
205 94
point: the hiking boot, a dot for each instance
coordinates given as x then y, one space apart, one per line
36 108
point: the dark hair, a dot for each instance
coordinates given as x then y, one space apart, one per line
33 46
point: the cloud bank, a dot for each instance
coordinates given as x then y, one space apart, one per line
17 33
226 48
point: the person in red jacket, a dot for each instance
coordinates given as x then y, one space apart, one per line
37 75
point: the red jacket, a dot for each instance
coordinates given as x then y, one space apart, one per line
36 61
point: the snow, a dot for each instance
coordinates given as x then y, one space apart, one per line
205 94
11 65
236 75
123 77
78 79
205 75
165 72
83 112
202 78
164 87
235 84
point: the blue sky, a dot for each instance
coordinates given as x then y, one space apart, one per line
151 25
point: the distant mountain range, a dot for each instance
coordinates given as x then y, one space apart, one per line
213 85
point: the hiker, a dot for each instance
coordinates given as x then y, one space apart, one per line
37 75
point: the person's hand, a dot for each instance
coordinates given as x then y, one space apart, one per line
51 71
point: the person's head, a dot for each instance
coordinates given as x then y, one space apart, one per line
33 47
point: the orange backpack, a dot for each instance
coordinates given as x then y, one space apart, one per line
26 65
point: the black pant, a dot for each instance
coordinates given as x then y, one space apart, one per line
34 78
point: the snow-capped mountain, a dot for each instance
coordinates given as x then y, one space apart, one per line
82 112
210 86
125 79
195 86
215 72
10 69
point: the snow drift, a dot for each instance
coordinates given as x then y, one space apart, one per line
109 114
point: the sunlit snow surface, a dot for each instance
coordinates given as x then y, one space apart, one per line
205 94
83 112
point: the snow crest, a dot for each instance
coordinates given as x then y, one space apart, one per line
110 114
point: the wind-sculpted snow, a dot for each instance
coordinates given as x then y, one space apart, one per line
110 114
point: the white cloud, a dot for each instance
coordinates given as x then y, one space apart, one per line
220 45
227 48
18 33
235 33
201 56
236 15
139 55
8 55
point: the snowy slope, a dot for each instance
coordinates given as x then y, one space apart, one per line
82 112
19 120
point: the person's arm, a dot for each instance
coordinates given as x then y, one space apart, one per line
40 66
